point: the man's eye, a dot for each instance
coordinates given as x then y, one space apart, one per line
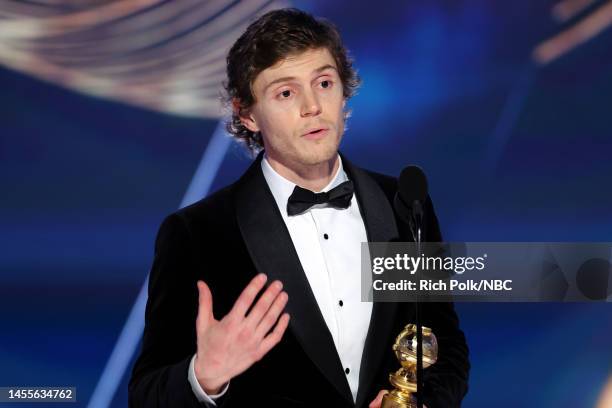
285 94
326 84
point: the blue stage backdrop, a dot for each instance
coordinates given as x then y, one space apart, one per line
513 133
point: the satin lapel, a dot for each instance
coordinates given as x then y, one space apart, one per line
380 226
269 244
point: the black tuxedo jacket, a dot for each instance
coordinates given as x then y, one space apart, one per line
237 232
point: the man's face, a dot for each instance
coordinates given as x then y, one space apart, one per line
299 109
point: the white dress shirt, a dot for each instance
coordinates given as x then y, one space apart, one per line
328 243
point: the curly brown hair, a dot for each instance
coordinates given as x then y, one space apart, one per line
274 36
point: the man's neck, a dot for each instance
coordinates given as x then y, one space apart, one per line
312 177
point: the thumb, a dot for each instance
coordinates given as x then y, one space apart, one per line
377 402
205 306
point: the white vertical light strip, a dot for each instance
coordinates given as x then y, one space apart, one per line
132 330
509 116
209 165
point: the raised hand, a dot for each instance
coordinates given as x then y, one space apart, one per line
229 346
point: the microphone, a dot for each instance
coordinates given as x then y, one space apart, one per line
411 194
408 205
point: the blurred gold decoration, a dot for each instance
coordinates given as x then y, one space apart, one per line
605 400
167 56
582 31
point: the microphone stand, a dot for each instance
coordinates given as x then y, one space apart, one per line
415 226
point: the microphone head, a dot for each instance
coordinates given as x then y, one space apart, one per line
412 185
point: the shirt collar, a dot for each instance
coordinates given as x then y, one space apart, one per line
282 188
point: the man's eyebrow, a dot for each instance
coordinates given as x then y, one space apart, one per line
290 78
324 67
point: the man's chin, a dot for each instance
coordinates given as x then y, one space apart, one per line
314 156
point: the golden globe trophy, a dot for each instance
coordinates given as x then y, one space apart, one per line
404 380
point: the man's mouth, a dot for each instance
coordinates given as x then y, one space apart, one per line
315 133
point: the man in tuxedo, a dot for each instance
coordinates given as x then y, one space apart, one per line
280 251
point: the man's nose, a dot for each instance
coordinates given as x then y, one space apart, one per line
310 105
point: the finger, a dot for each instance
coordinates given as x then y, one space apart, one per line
247 296
205 311
271 315
263 304
377 402
273 338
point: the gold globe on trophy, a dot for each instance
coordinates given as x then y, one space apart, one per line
404 380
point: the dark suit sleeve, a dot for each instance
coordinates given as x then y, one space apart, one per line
445 382
159 377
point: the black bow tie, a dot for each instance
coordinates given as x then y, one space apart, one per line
302 199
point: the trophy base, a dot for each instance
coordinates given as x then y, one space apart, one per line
398 399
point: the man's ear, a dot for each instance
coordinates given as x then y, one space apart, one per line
245 116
